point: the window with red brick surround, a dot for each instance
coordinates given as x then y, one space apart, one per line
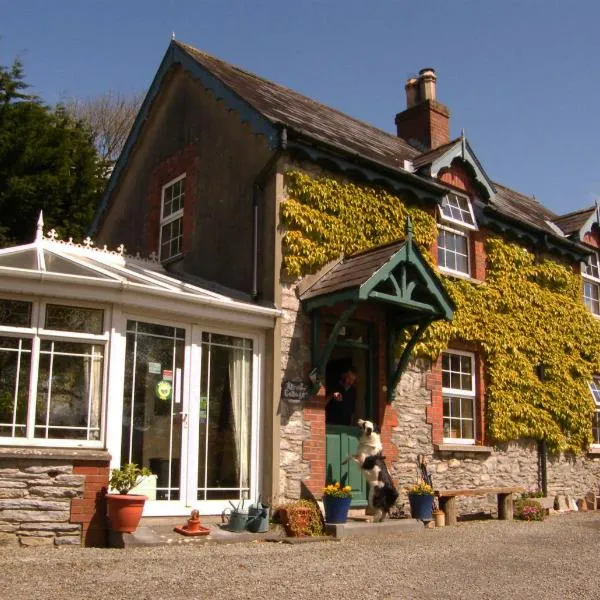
473 245
442 419
164 173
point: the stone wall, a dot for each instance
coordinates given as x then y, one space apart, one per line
295 360
513 464
50 497
35 503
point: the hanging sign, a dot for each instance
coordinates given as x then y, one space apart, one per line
294 391
164 389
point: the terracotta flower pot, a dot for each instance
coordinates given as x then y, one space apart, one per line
125 511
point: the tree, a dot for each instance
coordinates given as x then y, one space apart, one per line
109 117
48 162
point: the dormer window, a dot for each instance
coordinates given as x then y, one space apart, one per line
454 243
458 210
171 219
591 284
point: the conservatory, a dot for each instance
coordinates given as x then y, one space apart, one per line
104 351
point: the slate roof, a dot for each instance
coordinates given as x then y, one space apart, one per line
352 271
317 121
523 208
574 221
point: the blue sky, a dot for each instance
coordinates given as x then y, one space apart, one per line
521 77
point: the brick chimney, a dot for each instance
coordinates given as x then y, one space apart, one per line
426 122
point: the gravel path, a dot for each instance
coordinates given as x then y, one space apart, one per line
557 559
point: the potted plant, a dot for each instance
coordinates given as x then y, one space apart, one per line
420 497
301 518
125 509
336 500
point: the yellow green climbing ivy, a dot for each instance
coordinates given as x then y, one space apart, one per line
528 312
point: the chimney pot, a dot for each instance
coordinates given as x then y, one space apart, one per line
412 92
427 84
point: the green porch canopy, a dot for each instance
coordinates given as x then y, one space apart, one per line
395 275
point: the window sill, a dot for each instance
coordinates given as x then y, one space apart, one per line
78 454
459 275
463 448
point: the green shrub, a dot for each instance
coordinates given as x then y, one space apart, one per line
527 509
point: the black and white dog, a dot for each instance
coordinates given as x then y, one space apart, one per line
369 443
382 493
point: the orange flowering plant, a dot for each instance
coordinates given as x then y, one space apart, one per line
337 490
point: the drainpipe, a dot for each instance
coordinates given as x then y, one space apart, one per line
542 467
257 189
542 449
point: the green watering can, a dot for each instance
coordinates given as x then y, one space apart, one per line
258 517
235 519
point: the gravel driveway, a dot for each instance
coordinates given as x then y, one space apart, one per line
557 559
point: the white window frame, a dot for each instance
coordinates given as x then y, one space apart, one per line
595 387
462 233
592 280
463 394
458 222
37 333
174 216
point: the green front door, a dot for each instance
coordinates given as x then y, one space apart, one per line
354 347
341 442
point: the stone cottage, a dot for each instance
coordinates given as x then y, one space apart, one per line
289 242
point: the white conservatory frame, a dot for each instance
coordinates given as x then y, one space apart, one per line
138 289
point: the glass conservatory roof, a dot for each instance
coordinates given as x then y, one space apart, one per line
66 260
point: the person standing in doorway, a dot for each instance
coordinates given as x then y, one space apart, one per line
342 400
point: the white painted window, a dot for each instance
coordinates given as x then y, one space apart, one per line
457 210
458 390
171 219
453 251
51 373
591 284
595 389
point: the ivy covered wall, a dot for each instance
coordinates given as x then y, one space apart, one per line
528 313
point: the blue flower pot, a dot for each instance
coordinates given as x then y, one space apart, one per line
336 509
421 507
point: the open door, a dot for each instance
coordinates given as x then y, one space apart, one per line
352 351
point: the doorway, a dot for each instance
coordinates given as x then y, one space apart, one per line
353 351
190 414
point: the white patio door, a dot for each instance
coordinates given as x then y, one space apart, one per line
190 413
224 418
154 423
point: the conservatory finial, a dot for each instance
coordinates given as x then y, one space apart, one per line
39 234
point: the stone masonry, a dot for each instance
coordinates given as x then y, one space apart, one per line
35 503
512 464
295 430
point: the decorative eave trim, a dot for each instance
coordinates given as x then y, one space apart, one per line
175 55
399 179
462 150
495 219
587 227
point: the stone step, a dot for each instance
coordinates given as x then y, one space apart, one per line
360 528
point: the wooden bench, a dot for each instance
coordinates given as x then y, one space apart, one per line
447 500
